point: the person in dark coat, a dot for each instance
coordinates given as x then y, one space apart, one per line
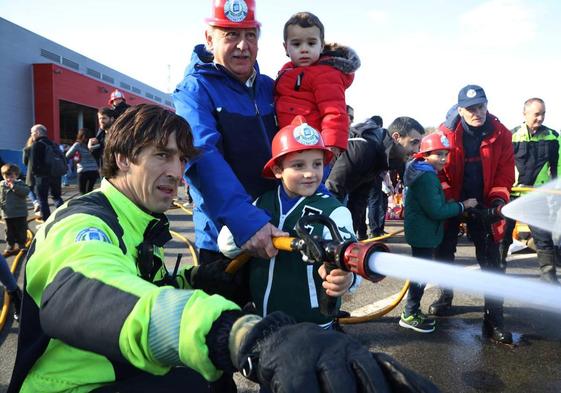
41 171
105 118
371 150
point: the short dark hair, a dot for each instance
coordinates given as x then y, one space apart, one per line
8 169
304 19
403 126
378 120
105 110
141 126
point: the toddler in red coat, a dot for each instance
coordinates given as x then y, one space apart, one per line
313 82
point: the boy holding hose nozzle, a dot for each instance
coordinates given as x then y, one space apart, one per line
425 212
285 282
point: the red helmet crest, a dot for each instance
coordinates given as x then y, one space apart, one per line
233 14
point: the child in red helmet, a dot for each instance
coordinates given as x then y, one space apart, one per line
425 212
314 81
286 282
118 103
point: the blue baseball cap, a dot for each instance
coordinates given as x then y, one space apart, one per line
471 95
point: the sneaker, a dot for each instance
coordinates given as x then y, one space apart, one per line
36 207
417 323
428 320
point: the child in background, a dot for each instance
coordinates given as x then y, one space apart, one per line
425 212
286 282
313 83
13 203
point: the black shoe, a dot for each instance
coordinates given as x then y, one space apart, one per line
496 333
442 305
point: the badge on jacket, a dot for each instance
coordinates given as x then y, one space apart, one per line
92 234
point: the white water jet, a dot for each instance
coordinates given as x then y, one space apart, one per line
541 208
535 293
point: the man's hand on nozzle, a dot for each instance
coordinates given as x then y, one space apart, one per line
288 357
494 212
489 214
469 203
261 243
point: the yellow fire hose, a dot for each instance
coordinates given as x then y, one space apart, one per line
13 268
179 205
285 244
189 246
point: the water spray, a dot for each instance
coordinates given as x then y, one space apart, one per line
373 262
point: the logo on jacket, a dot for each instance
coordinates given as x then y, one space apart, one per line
235 10
92 234
305 135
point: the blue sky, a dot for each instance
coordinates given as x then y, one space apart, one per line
415 55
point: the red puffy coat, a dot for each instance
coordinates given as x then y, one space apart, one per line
317 92
497 159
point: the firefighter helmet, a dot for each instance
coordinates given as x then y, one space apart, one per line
116 94
433 142
297 136
233 14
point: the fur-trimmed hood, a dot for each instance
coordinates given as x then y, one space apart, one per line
341 57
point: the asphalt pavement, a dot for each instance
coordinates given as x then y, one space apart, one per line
456 357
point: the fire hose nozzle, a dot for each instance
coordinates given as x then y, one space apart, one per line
356 256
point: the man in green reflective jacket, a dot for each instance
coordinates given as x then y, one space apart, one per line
536 155
101 313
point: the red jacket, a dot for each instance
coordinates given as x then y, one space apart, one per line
317 92
497 159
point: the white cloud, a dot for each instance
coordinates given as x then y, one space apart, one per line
499 23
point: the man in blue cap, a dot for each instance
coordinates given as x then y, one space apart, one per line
481 166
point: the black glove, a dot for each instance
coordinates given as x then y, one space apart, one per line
489 215
402 379
213 279
287 357
494 212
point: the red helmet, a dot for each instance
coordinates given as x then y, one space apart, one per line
297 136
233 14
116 94
432 142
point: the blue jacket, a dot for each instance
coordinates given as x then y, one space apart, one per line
233 125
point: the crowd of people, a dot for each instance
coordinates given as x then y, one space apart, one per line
257 156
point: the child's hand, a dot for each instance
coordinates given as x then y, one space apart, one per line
337 282
469 203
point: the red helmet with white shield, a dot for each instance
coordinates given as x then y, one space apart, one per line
115 95
297 136
432 142
233 14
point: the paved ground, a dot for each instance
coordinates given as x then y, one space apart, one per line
455 357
